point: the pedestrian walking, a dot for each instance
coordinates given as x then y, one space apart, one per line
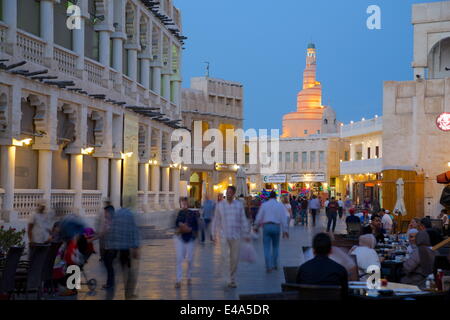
348 205
341 208
304 211
123 240
332 211
295 208
104 222
288 207
314 205
230 224
40 226
207 216
186 228
272 217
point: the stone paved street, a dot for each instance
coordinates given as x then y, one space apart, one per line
157 270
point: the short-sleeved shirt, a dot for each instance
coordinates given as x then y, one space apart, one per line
41 227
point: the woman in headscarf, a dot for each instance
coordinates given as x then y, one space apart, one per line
421 261
411 240
365 254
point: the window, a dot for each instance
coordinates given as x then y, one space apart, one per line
325 121
377 151
312 162
345 155
358 155
280 157
321 158
368 153
306 131
288 157
296 157
304 159
28 17
318 131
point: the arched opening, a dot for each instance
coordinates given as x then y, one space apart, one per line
439 60
325 121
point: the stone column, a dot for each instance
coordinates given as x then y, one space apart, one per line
155 184
145 72
176 92
166 186
176 186
8 165
76 181
10 18
78 44
116 176
118 54
104 50
132 62
102 176
156 80
46 25
143 184
45 173
166 87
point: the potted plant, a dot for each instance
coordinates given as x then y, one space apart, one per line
10 237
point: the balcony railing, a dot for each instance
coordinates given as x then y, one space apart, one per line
31 47
361 166
362 127
62 202
26 202
94 71
91 202
66 60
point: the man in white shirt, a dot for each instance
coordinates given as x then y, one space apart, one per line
386 221
272 216
231 224
314 205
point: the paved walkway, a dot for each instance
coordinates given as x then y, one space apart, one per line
157 270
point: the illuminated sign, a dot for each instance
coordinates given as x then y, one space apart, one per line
307 177
276 178
443 121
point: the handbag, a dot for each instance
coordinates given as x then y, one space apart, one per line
445 197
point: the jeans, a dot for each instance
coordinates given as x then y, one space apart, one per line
271 237
331 218
304 216
108 260
205 229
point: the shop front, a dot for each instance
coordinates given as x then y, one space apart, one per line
364 189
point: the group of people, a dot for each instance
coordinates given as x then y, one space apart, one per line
117 233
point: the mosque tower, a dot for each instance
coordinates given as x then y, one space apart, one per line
309 117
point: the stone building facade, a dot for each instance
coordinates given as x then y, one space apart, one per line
103 133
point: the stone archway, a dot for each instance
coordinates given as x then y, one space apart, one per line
439 59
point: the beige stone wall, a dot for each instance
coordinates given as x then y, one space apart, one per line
411 139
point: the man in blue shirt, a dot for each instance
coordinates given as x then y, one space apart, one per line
208 214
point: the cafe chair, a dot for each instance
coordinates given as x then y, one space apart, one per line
31 280
9 270
290 274
314 292
47 270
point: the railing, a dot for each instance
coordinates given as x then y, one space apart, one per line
127 83
94 71
31 47
3 29
66 60
362 127
152 200
162 200
361 166
91 202
26 202
62 201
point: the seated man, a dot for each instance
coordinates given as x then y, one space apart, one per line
377 228
321 270
352 218
435 235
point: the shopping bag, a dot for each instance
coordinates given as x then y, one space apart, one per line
248 253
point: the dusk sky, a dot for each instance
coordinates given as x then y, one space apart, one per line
262 44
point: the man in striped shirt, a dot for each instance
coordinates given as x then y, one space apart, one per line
231 224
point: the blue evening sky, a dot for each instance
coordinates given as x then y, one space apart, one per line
262 44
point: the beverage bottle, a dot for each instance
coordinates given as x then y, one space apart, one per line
439 276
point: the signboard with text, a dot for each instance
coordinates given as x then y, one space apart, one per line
307 177
276 178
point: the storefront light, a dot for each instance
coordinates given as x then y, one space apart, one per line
23 142
89 150
448 164
126 154
236 167
184 168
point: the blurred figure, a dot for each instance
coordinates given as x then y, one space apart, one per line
365 219
386 221
352 218
444 217
219 197
294 206
321 270
123 239
365 254
186 228
287 205
272 216
341 208
207 215
435 235
304 211
314 205
231 224
348 204
332 211
414 223
420 263
411 240
377 228
40 225
104 223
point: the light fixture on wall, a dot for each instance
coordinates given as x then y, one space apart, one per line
87 151
448 164
126 154
21 143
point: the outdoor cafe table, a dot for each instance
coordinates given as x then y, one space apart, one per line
358 290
